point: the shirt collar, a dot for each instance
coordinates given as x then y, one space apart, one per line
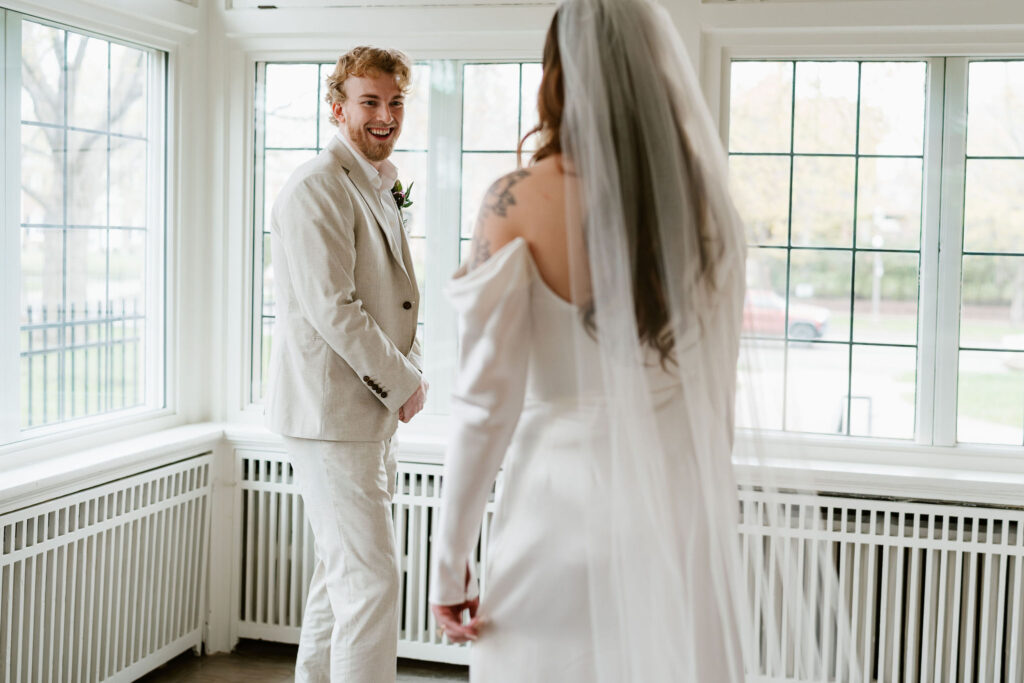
384 179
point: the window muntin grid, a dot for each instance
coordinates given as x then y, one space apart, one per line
89 223
990 373
826 161
493 123
293 125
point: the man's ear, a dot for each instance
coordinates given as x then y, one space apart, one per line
338 111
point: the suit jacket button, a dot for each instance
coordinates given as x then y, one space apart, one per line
366 379
383 394
407 305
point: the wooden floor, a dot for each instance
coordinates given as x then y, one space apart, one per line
257 661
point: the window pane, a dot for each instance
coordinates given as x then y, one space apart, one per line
994 99
87 82
479 171
823 191
816 387
529 118
42 175
994 205
412 171
490 107
992 314
42 54
128 166
825 114
760 188
87 178
882 396
128 91
892 107
83 321
291 105
764 309
417 110
85 267
819 295
760 106
885 305
889 203
760 384
990 401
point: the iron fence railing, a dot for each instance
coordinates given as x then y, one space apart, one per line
80 361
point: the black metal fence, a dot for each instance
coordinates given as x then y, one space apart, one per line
82 360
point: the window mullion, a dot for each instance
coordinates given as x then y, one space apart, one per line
156 362
443 228
255 361
10 225
947 329
928 295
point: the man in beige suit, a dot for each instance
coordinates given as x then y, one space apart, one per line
345 366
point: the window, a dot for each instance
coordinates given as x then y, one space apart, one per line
990 379
84 145
828 161
462 124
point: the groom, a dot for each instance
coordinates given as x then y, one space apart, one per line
345 366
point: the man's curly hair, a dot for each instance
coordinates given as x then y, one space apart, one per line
366 61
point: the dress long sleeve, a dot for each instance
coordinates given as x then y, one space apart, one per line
494 326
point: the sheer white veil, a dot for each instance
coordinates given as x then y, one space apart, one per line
673 596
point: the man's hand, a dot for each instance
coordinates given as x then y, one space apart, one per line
415 402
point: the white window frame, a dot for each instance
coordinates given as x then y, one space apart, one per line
443 229
171 29
947 54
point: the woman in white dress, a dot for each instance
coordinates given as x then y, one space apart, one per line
599 330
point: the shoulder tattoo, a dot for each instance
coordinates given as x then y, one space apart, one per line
496 202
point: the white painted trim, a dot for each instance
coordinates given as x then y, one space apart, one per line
947 330
47 478
158 319
928 297
443 229
154 23
880 15
10 228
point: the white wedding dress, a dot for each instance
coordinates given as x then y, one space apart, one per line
525 403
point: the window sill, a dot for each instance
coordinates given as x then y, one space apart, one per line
980 475
28 483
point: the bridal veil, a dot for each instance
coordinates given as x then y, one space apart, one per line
666 571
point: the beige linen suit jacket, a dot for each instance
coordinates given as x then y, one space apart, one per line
345 356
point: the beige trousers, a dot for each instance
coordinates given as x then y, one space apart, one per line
350 624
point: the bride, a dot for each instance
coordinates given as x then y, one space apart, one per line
599 330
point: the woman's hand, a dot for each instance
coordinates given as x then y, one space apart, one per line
449 619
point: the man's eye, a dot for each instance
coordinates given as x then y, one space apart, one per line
399 103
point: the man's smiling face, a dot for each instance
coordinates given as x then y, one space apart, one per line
371 114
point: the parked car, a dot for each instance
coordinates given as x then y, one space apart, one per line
764 313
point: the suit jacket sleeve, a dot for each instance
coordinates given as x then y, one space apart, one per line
316 224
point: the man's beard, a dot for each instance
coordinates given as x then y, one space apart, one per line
368 146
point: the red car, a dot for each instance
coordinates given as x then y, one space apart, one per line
764 313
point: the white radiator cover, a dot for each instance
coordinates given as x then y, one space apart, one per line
107 583
934 591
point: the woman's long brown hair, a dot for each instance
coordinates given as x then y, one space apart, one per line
651 306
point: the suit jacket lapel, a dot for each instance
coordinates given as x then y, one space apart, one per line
362 183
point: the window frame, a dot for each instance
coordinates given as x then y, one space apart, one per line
158 362
942 217
443 229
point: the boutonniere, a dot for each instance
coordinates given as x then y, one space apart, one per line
402 199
